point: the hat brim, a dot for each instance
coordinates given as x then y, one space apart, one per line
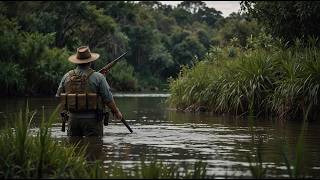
75 60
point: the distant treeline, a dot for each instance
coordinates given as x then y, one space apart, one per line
37 37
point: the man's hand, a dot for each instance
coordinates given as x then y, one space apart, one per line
104 71
117 114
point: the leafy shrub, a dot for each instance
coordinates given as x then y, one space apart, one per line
51 67
29 64
12 78
121 77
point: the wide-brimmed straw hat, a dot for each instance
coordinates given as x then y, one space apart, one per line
83 56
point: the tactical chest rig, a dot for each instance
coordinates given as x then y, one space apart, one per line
78 96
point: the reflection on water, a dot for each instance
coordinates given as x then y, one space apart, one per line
185 138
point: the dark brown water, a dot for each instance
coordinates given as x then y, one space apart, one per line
184 138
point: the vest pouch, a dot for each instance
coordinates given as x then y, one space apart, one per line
72 102
63 100
92 101
82 102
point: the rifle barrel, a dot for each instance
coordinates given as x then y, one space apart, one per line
109 65
126 124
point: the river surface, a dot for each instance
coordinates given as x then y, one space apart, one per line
223 142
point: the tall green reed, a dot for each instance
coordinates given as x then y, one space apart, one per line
24 154
281 81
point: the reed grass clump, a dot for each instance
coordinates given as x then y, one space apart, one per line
27 155
297 89
278 81
188 87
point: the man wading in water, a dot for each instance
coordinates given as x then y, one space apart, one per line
84 94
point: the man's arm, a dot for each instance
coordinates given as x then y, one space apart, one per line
107 97
115 111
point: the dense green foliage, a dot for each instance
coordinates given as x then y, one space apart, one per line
287 19
273 80
28 62
37 38
272 71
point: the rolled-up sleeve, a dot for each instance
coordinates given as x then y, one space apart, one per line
104 89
